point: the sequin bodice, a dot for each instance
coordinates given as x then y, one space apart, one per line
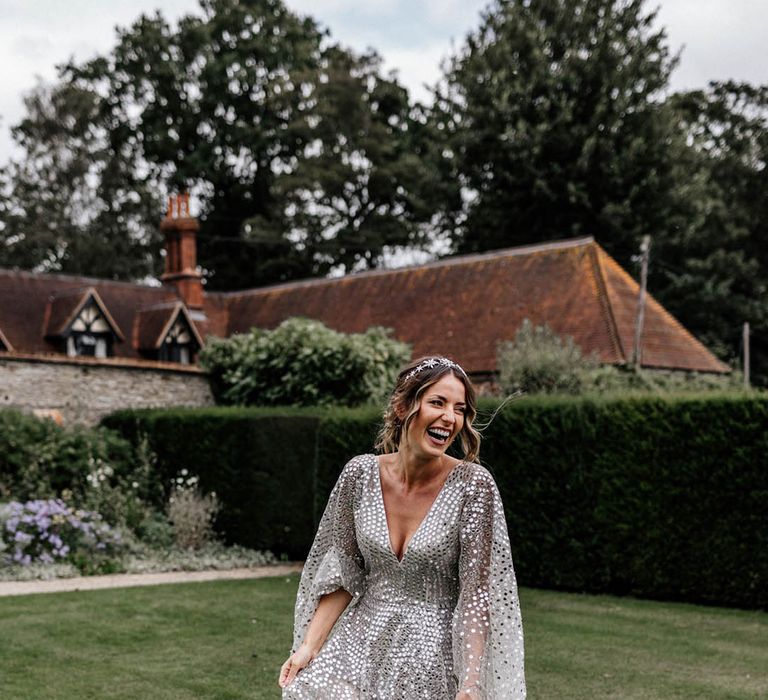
428 570
445 617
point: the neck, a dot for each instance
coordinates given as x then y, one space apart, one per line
413 469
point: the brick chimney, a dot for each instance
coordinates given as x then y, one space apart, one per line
181 271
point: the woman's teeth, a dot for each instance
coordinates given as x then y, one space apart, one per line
438 434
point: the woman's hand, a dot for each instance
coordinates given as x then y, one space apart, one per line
296 661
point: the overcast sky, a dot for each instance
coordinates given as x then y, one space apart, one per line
720 38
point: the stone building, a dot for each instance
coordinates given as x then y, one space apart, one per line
77 348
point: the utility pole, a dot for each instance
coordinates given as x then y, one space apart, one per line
645 250
745 343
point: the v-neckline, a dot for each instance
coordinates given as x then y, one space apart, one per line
407 545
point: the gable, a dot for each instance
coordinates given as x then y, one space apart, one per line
79 311
165 323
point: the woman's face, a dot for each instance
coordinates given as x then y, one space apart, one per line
440 417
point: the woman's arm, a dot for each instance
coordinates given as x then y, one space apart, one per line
487 630
329 610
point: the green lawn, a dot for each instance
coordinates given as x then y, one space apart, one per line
227 640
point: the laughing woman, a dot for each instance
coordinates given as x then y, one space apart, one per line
411 565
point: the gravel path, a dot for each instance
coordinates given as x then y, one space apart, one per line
92 583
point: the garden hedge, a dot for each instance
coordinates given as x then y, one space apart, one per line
656 497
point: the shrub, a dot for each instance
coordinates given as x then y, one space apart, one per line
303 363
259 461
89 469
39 459
540 361
191 513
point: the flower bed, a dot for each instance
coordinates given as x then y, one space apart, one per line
49 531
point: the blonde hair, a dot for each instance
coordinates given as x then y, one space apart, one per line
407 393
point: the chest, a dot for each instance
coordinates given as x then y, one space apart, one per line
405 513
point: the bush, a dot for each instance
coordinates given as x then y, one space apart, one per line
191 513
90 470
539 361
303 363
257 460
39 459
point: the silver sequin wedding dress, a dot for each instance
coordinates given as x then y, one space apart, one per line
445 617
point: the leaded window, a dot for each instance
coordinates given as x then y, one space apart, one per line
90 333
179 344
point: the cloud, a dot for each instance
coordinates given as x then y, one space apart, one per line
417 68
720 40
32 48
325 8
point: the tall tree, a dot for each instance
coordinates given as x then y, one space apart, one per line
363 185
71 204
553 124
714 271
295 148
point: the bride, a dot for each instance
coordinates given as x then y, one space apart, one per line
408 590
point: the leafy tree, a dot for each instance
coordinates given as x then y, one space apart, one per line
364 184
551 118
299 151
72 204
714 273
304 363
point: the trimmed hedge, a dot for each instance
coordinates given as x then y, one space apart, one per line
260 462
657 497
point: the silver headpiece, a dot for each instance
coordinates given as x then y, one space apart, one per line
433 362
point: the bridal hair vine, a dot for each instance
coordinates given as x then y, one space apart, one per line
434 362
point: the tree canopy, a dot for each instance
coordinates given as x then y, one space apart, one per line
552 118
302 154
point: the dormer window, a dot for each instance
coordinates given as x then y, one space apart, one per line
90 333
166 332
79 324
179 344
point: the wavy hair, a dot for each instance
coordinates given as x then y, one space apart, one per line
408 392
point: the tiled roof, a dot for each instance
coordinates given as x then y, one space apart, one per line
25 296
5 344
464 306
461 307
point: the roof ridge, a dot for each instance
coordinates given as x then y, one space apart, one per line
87 281
605 301
442 262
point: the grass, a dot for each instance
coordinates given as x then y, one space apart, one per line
226 640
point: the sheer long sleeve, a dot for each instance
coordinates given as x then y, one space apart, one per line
487 626
334 561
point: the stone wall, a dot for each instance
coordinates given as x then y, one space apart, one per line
81 390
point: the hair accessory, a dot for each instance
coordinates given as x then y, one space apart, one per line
433 362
